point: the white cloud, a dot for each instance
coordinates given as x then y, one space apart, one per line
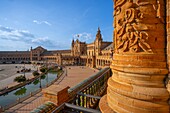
37 22
25 36
42 22
39 40
46 23
15 38
13 34
83 36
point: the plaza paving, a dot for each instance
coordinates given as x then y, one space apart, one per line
75 74
9 72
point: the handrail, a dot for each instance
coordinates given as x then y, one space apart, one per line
88 110
79 108
89 96
86 95
59 108
78 87
94 80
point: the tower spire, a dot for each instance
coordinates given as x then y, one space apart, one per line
98 35
98 29
73 42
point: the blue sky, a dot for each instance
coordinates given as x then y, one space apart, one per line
52 23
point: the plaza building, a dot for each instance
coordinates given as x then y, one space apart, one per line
14 56
97 54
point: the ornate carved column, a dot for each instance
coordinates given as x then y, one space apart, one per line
139 63
168 38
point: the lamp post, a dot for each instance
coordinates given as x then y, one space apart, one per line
24 68
40 82
66 70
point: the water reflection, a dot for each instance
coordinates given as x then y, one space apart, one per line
21 91
35 82
43 77
5 94
12 96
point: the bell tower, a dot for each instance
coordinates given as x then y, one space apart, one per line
98 42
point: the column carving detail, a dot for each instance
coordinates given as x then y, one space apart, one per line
139 63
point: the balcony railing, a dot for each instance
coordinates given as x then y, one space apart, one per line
85 96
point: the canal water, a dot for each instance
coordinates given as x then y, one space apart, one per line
24 91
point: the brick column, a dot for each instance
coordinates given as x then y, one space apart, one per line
168 38
139 64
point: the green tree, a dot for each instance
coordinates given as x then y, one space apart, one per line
35 82
20 78
43 77
35 73
43 70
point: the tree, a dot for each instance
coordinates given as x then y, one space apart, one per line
35 82
35 73
20 78
43 69
43 77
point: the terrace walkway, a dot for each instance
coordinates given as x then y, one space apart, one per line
72 76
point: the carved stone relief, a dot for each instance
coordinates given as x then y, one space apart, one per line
139 62
130 23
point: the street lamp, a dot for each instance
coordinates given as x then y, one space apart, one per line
24 68
40 82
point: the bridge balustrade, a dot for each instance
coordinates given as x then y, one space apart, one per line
85 99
